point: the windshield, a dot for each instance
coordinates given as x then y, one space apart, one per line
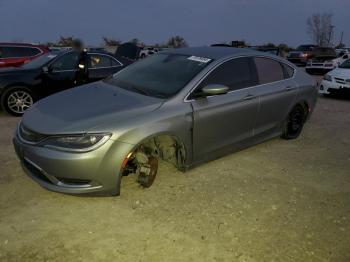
160 75
325 52
40 61
345 64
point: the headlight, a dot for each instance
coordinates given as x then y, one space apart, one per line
76 143
327 78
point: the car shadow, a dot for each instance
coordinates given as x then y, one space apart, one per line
340 95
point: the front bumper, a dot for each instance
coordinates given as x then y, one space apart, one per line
326 87
74 173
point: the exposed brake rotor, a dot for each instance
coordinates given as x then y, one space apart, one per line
146 170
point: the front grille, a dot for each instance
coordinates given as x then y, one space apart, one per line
73 181
35 171
29 135
339 80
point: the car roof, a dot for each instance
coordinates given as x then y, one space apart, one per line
213 52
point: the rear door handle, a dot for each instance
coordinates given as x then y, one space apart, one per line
288 88
248 97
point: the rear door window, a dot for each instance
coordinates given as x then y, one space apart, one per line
268 70
99 61
236 74
288 71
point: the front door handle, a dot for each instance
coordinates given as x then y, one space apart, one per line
248 97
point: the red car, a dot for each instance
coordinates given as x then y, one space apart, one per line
17 54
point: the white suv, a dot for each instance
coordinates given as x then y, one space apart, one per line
337 79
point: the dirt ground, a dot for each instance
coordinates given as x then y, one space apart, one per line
278 201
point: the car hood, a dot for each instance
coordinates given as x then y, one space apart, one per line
84 108
341 73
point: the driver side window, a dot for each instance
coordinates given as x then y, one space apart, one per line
236 74
66 62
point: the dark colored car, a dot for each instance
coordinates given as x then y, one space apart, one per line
129 51
21 87
17 54
302 54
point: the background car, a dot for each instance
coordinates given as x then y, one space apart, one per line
185 106
17 54
147 51
302 54
325 60
21 87
336 80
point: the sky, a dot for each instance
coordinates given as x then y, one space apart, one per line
200 22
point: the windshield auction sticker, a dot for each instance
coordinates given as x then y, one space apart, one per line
199 59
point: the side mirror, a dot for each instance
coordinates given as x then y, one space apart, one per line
345 56
214 89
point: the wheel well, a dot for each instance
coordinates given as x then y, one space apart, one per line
306 107
165 147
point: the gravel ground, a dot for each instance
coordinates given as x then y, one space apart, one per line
278 201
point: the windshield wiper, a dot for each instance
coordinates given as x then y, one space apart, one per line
138 90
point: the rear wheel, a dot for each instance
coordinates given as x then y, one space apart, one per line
294 123
16 100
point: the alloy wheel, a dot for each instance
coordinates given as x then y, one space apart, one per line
19 101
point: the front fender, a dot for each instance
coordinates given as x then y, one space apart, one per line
175 123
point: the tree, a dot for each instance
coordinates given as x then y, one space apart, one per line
284 47
110 41
272 45
341 45
321 29
176 42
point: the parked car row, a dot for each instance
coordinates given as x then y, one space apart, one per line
325 59
318 60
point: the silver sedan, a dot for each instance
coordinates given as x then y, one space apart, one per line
184 106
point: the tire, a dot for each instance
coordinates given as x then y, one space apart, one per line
15 100
294 122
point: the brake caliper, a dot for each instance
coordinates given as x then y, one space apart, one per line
146 169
